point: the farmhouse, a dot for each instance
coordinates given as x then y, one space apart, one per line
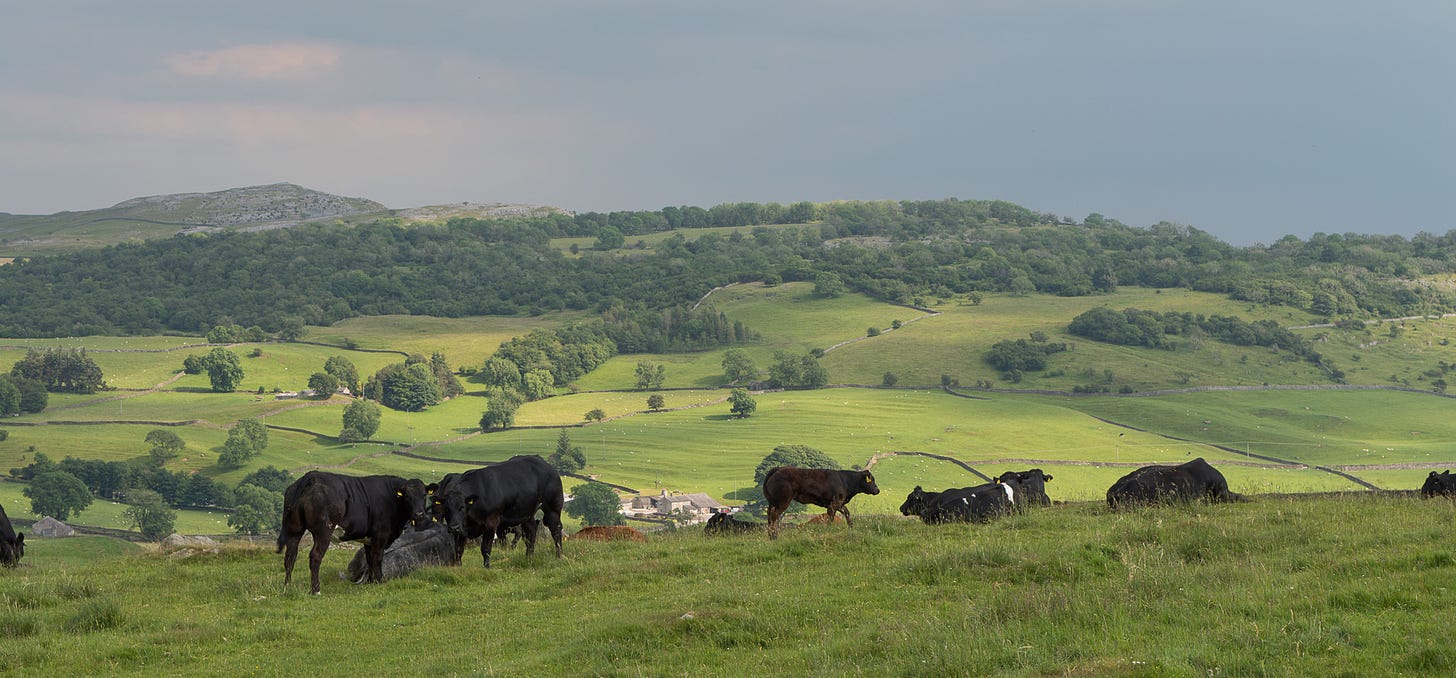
697 505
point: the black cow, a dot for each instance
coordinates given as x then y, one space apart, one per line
1439 484
821 487
415 548
372 508
724 522
484 500
1031 484
12 543
437 512
967 504
1185 482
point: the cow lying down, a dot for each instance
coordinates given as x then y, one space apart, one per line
966 504
413 549
1189 481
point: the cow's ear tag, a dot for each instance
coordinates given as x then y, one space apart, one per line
399 493
470 502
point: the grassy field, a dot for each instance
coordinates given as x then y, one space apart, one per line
1327 586
1391 439
103 513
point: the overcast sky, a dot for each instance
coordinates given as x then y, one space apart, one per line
1249 120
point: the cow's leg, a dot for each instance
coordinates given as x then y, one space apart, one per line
839 506
487 538
553 525
290 555
375 557
774 513
321 535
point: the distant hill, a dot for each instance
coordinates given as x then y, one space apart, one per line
248 208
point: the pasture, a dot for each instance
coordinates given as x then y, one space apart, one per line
1351 585
1391 439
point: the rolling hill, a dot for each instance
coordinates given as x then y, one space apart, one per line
248 208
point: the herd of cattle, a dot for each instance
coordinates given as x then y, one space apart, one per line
405 523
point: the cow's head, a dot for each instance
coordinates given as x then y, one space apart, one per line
914 503
416 500
10 552
450 508
867 483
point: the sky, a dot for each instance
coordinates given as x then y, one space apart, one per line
1246 119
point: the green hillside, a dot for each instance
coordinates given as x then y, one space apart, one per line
1389 439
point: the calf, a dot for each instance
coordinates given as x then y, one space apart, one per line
967 504
482 501
821 487
374 509
415 548
1185 482
609 533
724 522
12 543
1439 484
1031 484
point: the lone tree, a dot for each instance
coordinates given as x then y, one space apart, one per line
738 367
567 458
741 403
656 402
224 370
650 376
57 494
595 504
595 414
245 440
149 513
165 444
361 421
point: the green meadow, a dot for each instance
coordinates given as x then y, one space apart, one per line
1388 438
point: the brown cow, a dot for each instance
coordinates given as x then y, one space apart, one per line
609 533
821 487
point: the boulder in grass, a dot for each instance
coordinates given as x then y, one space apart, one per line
413 549
50 527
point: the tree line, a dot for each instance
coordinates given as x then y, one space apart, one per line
905 252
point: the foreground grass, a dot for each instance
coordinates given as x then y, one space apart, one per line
1328 586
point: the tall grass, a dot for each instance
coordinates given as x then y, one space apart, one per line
1327 586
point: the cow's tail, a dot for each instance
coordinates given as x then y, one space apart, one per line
280 542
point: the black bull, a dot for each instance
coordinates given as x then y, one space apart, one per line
371 508
830 489
1185 482
12 543
483 501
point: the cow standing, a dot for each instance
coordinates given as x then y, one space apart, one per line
966 504
1185 482
370 508
12 543
483 501
821 487
1439 484
1031 484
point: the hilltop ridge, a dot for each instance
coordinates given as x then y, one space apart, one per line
249 208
